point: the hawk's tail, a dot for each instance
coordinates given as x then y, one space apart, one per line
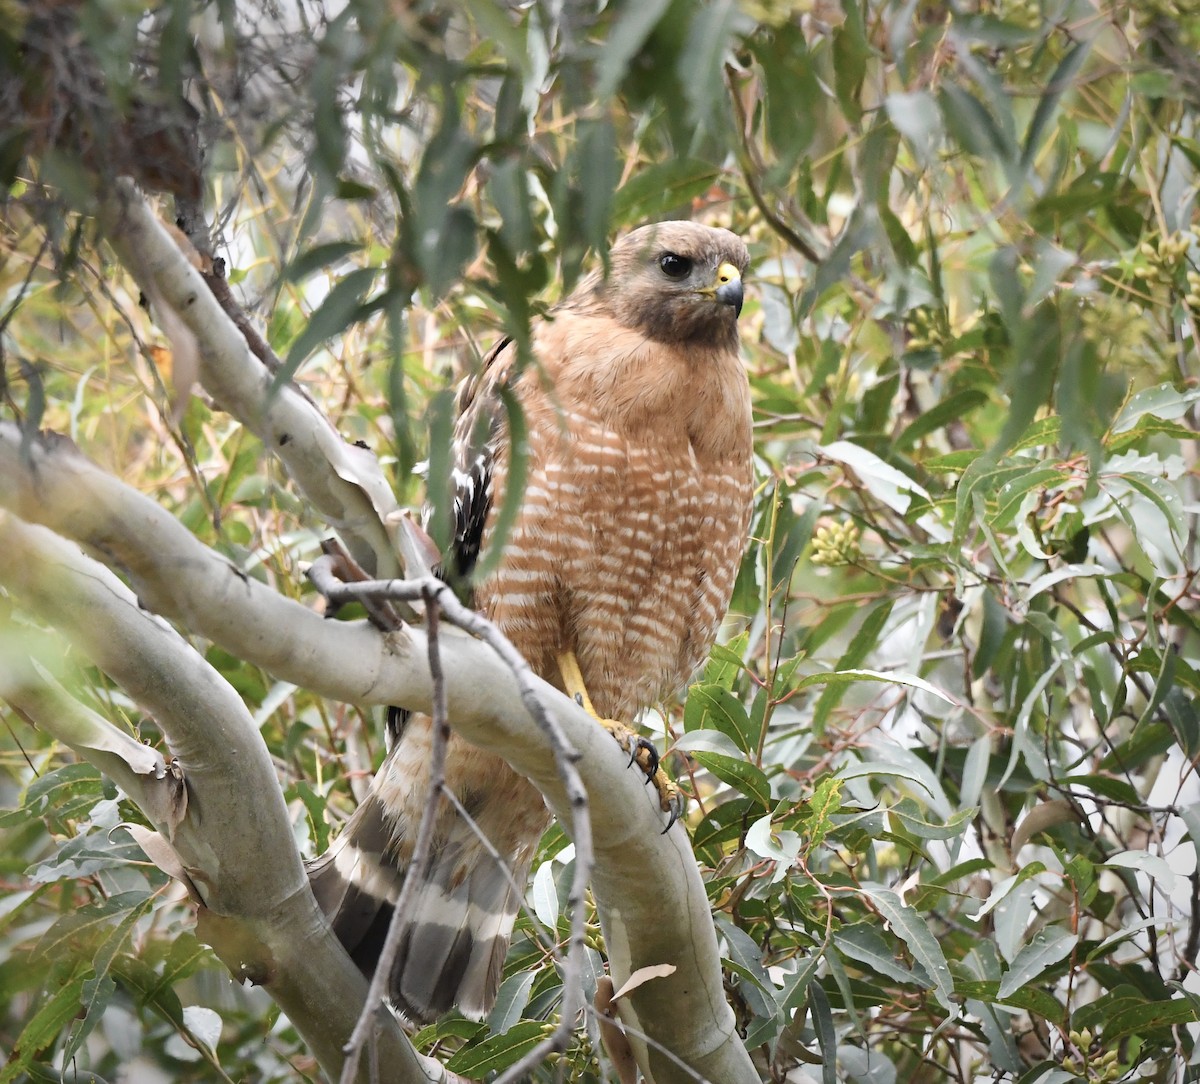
457 924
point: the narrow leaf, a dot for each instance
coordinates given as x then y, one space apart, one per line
498 1051
911 928
1047 948
643 975
845 676
743 777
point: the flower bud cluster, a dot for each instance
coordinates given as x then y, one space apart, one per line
838 544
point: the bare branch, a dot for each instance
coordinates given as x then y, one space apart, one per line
419 867
239 855
342 481
648 891
437 594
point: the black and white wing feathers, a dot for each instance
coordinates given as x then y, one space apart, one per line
478 437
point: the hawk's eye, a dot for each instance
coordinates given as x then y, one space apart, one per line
674 267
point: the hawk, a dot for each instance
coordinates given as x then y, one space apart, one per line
612 583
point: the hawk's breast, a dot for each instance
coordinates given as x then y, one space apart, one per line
625 551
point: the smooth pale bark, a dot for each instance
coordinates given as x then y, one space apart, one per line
648 890
343 482
229 832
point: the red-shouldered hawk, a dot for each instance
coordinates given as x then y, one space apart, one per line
616 574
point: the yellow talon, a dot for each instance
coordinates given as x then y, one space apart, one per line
671 801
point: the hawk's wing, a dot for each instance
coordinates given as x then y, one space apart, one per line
479 431
478 439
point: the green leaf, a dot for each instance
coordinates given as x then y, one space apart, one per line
826 1035
497 1052
842 677
862 943
709 707
185 955
66 793
850 53
745 953
908 813
709 39
1048 947
725 662
317 257
79 931
1107 786
662 187
973 126
1040 433
743 777
1139 1018
883 481
1164 497
820 812
314 807
625 38
864 642
595 154
1056 86
1145 742
514 486
981 478
149 988
336 313
443 261
52 1015
94 998
511 1001
1163 402
939 416
1146 427
916 117
86 855
1011 494
1029 998
912 929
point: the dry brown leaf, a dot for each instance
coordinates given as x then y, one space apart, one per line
163 855
418 552
612 1035
1041 817
643 975
194 256
162 359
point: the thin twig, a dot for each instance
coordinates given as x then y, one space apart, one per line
421 852
436 593
649 1040
546 935
752 170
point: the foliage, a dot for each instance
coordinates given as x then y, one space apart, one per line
942 765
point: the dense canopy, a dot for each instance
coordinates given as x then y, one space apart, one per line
942 796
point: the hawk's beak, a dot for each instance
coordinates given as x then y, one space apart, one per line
727 289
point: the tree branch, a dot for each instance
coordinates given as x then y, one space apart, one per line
438 596
343 482
651 900
374 1005
237 851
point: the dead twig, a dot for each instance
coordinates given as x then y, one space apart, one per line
421 852
438 596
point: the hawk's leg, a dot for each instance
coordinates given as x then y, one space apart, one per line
639 749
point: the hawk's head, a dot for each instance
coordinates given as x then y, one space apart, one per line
678 282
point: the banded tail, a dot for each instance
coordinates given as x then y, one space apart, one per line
458 923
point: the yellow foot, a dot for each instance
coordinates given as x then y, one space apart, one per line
640 750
